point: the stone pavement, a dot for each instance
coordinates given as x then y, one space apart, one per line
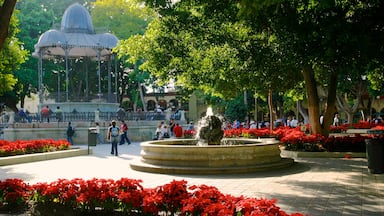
313 186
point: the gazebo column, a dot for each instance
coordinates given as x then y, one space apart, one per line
109 80
98 73
66 74
86 61
40 78
116 94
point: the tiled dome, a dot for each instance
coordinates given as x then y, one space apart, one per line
76 19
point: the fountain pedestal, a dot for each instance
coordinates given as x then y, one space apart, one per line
183 156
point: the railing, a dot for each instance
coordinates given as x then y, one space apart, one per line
90 117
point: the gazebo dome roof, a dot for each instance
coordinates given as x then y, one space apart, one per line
108 40
76 19
51 38
76 39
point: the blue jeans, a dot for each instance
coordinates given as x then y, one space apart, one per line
99 138
70 139
114 141
124 138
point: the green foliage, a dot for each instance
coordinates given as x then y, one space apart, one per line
7 81
125 19
34 20
376 78
205 46
11 56
235 109
122 18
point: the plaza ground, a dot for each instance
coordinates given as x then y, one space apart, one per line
313 186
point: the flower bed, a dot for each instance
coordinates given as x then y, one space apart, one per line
189 133
127 197
20 147
295 139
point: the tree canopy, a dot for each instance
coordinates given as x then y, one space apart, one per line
207 47
11 56
327 40
227 46
6 11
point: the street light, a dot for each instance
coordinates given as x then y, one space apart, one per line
58 84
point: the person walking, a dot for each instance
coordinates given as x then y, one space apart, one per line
98 136
124 132
70 133
113 135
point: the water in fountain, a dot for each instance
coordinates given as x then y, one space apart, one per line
210 131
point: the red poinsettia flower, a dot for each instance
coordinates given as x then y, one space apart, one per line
127 196
18 147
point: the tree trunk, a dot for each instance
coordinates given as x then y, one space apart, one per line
303 113
6 11
271 111
142 96
350 111
331 103
313 100
22 101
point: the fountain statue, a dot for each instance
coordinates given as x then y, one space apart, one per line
208 155
210 130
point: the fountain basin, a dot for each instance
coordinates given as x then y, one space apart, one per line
183 156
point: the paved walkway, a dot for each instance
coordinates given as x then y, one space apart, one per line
312 186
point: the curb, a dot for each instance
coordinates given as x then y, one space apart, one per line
19 159
298 154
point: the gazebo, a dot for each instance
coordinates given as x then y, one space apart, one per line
77 40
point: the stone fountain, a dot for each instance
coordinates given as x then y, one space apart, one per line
210 153
210 130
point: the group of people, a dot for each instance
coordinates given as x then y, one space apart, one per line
236 124
115 135
173 129
46 113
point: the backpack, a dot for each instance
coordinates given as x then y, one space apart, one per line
114 131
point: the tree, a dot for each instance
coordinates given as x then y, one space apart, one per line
205 46
122 18
6 11
12 55
125 19
9 46
326 39
34 20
